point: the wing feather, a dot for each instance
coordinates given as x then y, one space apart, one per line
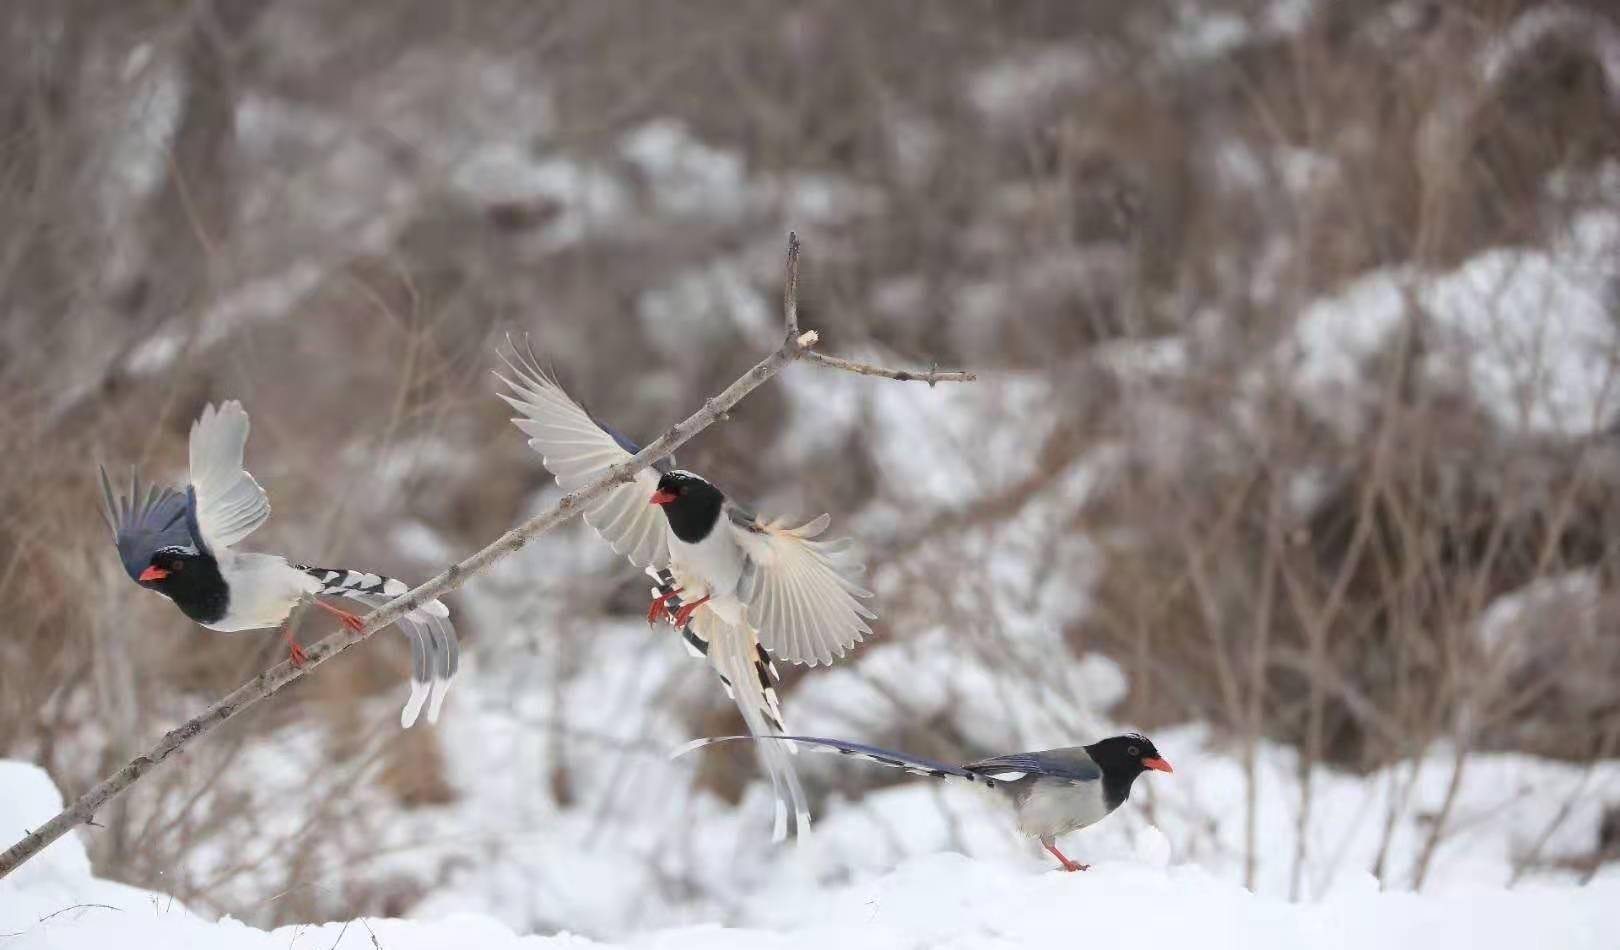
802 594
144 522
1072 764
230 504
576 449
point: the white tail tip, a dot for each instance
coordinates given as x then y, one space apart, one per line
413 706
440 688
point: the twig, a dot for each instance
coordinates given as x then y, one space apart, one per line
339 939
795 346
79 907
932 376
790 288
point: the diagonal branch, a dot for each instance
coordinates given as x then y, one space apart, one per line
795 346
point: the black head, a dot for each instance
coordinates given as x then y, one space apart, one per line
691 504
189 578
1125 757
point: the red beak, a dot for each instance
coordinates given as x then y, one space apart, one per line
1157 765
153 573
661 497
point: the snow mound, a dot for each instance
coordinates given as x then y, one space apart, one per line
937 900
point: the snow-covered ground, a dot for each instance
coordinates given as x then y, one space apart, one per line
940 900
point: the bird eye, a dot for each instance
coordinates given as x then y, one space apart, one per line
1133 750
176 566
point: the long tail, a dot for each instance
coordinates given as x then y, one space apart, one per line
915 764
749 677
435 653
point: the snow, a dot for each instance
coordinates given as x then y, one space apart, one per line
1530 333
1032 78
586 197
1144 899
688 177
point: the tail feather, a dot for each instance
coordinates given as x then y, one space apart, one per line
746 672
697 643
915 764
435 652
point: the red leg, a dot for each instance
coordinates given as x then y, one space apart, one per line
354 623
294 651
1067 864
658 605
686 611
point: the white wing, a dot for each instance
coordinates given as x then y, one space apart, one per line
230 504
802 594
577 450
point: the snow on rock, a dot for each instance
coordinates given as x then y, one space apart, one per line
930 901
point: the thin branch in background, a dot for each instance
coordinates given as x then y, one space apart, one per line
273 680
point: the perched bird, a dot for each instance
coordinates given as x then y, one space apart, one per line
180 544
1052 792
736 585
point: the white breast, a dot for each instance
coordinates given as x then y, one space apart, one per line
264 588
712 567
1055 807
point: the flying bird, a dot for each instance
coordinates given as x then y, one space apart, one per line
1052 792
740 588
180 543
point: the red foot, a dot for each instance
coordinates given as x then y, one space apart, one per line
354 623
294 651
658 605
686 611
1067 864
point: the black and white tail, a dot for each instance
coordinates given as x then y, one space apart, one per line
435 653
915 764
750 679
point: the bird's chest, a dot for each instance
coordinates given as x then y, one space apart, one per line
262 591
1056 807
708 567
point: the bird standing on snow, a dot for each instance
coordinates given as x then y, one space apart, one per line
1052 792
734 584
179 544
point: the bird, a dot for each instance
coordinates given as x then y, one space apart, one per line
1053 792
741 589
181 543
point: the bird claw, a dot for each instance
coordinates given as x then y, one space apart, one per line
296 653
687 610
658 603
351 622
1067 864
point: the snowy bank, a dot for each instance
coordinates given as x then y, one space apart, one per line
935 901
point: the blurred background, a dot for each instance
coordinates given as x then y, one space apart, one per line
1294 443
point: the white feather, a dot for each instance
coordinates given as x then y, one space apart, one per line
230 504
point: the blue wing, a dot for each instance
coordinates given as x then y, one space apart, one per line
145 522
1071 764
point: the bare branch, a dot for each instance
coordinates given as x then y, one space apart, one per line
931 376
790 287
795 346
